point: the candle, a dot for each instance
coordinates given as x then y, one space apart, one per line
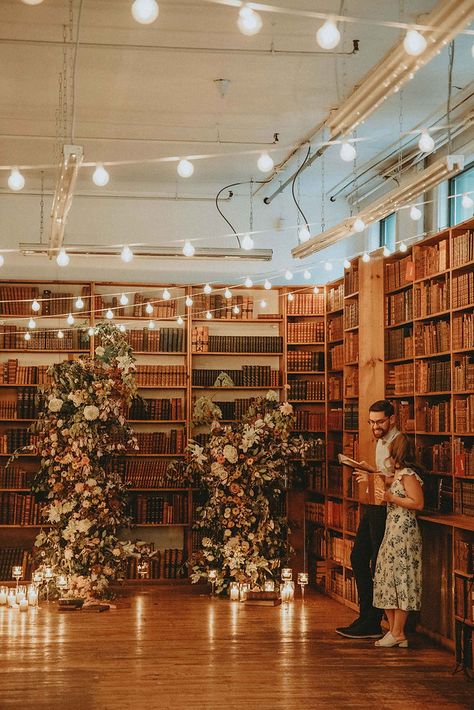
244 588
3 595
11 598
286 574
269 585
24 605
234 591
20 594
32 596
288 591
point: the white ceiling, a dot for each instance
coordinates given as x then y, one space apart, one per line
148 92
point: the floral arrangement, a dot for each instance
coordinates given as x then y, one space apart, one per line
80 429
242 473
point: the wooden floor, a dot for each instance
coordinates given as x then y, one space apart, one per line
175 648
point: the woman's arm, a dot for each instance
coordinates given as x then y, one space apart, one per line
414 492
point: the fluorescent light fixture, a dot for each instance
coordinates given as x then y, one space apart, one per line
151 251
400 197
62 201
397 67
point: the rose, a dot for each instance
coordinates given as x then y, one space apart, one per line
55 404
286 408
91 412
230 453
99 351
76 398
272 396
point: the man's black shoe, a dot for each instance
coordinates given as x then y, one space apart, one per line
360 631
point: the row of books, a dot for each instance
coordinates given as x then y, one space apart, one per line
336 357
400 379
234 410
399 307
14 439
157 409
303 389
159 509
431 297
163 340
306 332
351 281
17 301
141 307
464 555
432 337
463 374
464 415
335 387
398 273
161 442
335 328
161 376
404 415
315 477
351 383
335 417
433 417
305 360
248 376
164 564
432 376
15 477
463 331
314 512
352 515
19 509
351 347
11 556
431 258
399 343
463 289
464 498
351 415
335 479
12 338
25 406
309 421
306 304
237 307
340 549
317 449
463 599
203 342
351 314
436 457
11 373
463 248
463 454
335 297
350 446
143 473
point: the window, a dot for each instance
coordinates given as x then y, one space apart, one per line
464 182
388 229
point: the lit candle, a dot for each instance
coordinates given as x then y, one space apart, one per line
286 574
244 588
32 596
24 605
288 591
3 595
234 591
269 585
20 594
11 598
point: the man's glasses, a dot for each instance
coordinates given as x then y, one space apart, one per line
379 421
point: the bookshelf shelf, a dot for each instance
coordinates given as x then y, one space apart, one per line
467 307
467 265
429 277
241 321
304 343
234 353
403 287
446 353
305 372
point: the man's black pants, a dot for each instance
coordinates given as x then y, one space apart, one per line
363 558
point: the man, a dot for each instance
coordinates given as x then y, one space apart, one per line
371 528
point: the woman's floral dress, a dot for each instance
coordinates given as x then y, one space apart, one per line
397 582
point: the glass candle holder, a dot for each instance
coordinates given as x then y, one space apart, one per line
303 581
234 592
24 605
143 569
11 599
37 576
244 589
212 577
61 582
17 573
20 594
32 595
3 595
286 574
287 591
269 585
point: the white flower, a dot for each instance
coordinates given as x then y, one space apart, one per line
249 438
286 408
272 396
125 363
91 412
99 351
206 542
197 453
76 398
55 404
230 453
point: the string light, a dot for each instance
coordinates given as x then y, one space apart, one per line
189 301
358 225
426 143
291 297
306 274
179 320
145 11
267 285
149 308
188 249
100 176
60 334
35 306
248 283
263 303
403 247
316 290
126 254
288 275
348 152
386 251
207 289
303 233
90 332
151 325
414 43
123 300
185 168
347 264
236 310
122 328
247 242
328 36
327 266
70 319
365 257
109 314
227 293
166 295
79 303
27 336
32 323
208 315
415 213
32 2
466 201
249 22
265 163
62 258
16 181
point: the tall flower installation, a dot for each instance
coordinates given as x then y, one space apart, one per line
242 472
80 429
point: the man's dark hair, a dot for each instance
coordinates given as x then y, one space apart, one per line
382 405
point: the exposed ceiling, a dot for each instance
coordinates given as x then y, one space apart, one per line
149 92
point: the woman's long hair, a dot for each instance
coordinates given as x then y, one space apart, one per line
402 452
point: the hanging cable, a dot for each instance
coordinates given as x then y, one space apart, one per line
231 194
293 185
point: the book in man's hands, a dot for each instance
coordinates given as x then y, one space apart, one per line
372 493
362 465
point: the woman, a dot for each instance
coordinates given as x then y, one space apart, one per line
397 582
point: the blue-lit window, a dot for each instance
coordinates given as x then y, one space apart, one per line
388 231
458 185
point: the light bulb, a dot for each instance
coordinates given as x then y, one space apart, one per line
415 213
303 233
126 254
365 257
207 289
288 275
291 297
70 319
90 332
236 310
188 249
263 303
122 328
62 258
149 308
179 320
265 163
414 43
347 264
267 285
348 152
316 290
228 293
249 21
100 176
426 143
145 11
32 323
123 300
16 181
208 315
386 251
248 283
32 2
166 295
109 314
306 274
247 242
466 201
185 168
79 303
151 325
403 246
2 260
27 336
358 225
35 306
327 266
60 334
189 301
328 36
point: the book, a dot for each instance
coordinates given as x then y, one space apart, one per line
362 465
